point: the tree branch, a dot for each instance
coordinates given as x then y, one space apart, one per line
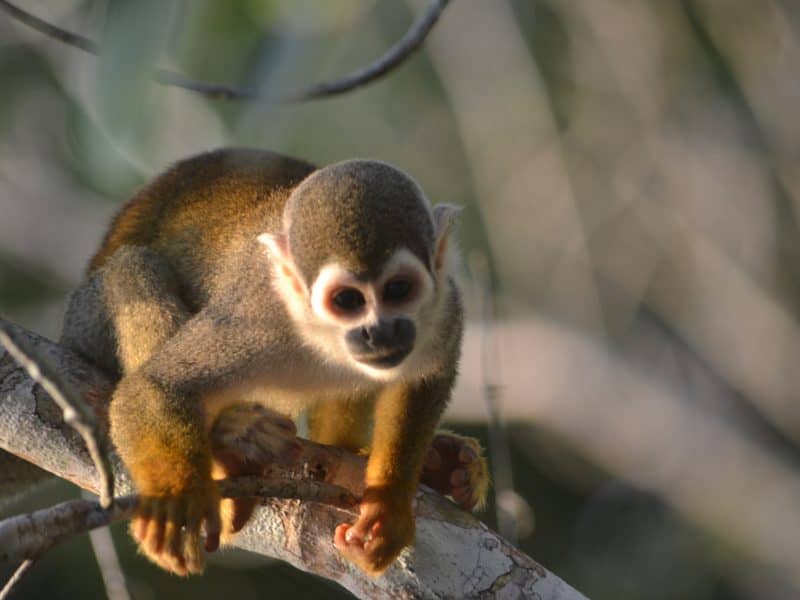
393 58
454 554
29 536
76 412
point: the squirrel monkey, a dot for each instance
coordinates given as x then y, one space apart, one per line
242 287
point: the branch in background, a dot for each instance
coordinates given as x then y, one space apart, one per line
105 553
11 584
514 515
76 412
454 554
393 58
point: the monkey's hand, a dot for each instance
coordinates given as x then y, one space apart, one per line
384 527
167 524
455 466
245 440
165 448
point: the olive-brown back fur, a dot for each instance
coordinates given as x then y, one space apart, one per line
195 211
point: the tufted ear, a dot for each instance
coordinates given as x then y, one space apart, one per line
444 218
278 249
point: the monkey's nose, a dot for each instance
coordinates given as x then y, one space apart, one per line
389 333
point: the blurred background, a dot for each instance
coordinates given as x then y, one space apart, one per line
629 170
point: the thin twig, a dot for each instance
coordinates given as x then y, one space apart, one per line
62 35
8 588
105 553
499 449
395 56
77 414
31 535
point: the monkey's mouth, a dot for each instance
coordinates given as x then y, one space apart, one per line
384 360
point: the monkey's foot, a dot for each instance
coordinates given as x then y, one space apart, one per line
168 530
384 527
251 434
455 466
245 439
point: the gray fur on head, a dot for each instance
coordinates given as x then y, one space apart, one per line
357 213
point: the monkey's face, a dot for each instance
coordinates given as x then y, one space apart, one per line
374 322
361 264
381 326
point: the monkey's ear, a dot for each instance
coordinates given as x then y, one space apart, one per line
278 246
444 218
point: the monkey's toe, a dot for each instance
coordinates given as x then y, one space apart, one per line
384 527
455 466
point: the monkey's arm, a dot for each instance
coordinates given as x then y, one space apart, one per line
406 416
158 424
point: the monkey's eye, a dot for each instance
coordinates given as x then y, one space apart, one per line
348 300
397 290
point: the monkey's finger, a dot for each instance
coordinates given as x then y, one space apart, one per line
192 551
376 529
340 538
360 531
140 521
213 526
173 538
153 540
196 514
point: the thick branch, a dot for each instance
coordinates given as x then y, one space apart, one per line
394 57
454 555
75 411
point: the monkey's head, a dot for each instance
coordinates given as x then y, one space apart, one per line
362 263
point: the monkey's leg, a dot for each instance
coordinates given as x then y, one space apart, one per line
133 300
343 422
245 440
158 424
455 466
406 415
